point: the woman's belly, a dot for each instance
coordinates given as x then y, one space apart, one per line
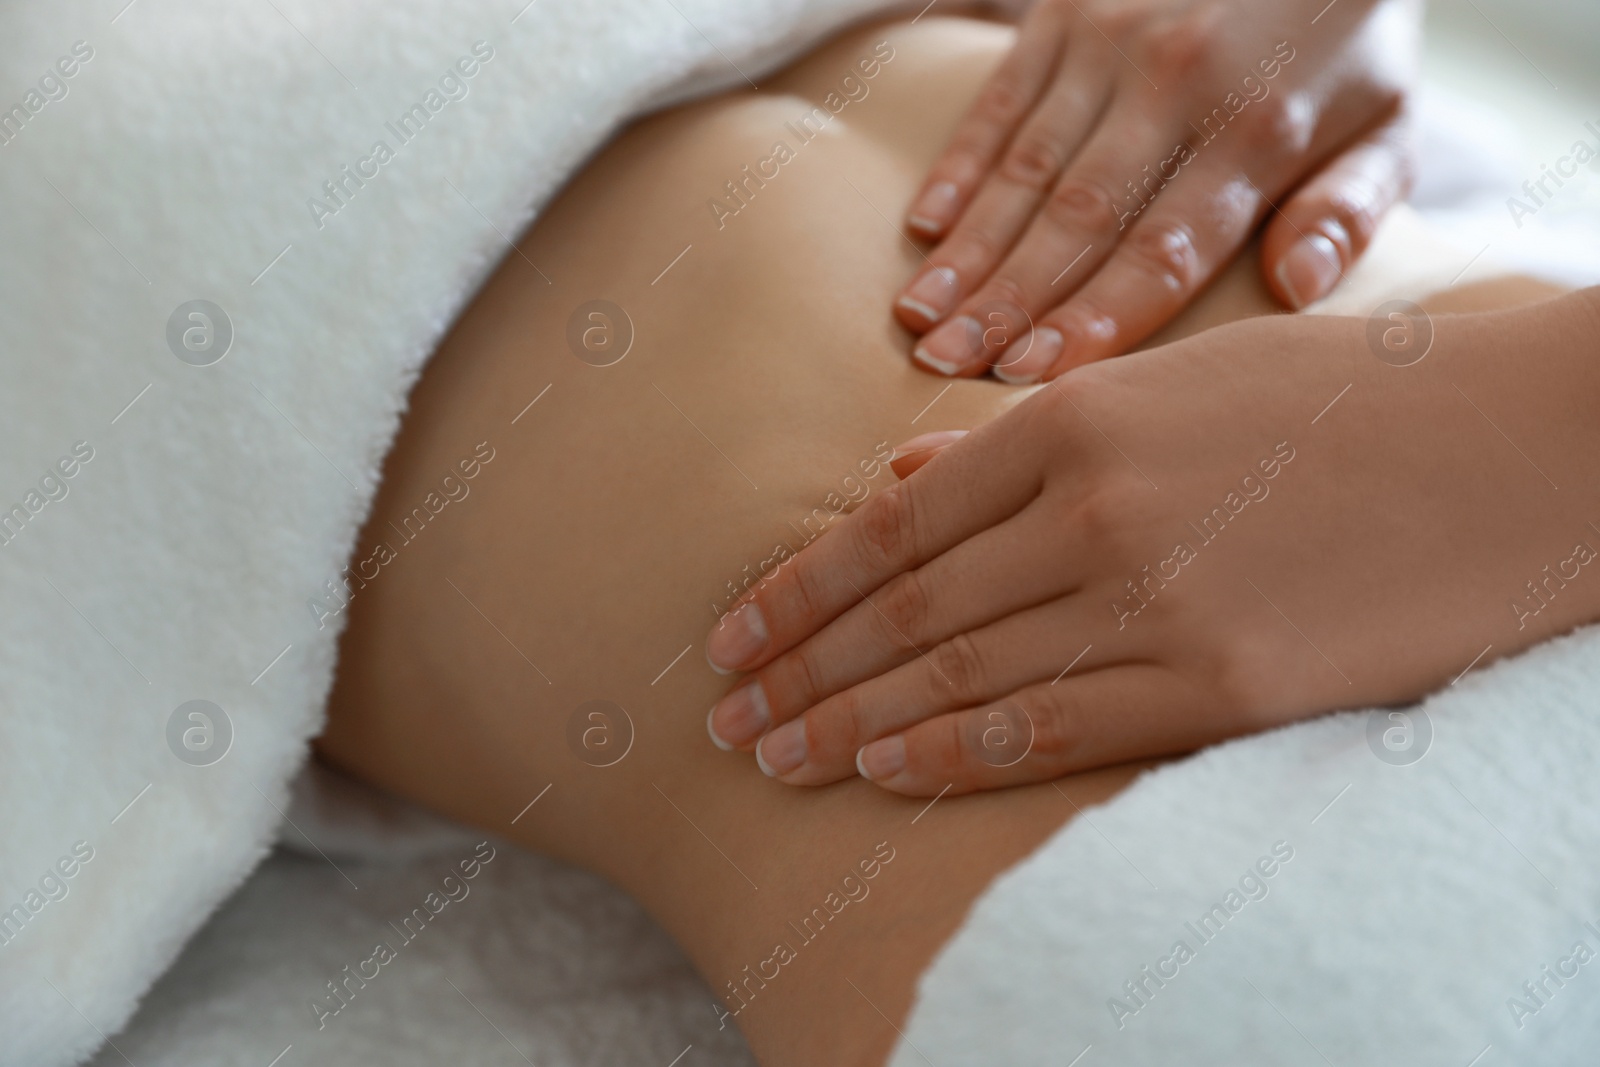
716 380
665 389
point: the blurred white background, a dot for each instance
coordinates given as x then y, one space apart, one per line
1536 60
1511 87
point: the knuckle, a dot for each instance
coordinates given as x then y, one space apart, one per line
887 528
960 667
1002 100
1032 161
1120 22
972 247
1237 673
1098 331
938 749
1186 45
808 596
836 726
1025 726
906 609
1004 297
1279 126
970 146
1057 733
1166 252
793 682
1355 208
1100 518
1080 204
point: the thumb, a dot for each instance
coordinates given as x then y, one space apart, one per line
910 456
1327 223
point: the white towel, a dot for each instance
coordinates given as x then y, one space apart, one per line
217 291
1427 893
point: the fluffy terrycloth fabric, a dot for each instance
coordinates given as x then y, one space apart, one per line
174 513
1427 913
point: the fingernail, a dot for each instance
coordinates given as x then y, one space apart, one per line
1309 270
881 759
928 441
738 639
783 749
934 209
909 457
712 730
931 295
740 717
1038 353
951 347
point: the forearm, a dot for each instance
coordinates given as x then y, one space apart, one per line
1500 422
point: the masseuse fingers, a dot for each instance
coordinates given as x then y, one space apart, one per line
1037 645
1325 226
1006 99
1166 257
1104 717
953 269
1011 192
989 576
1076 228
967 490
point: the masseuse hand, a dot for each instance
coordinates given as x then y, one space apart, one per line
1126 149
1246 527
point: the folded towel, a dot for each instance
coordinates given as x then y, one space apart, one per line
1390 886
231 236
